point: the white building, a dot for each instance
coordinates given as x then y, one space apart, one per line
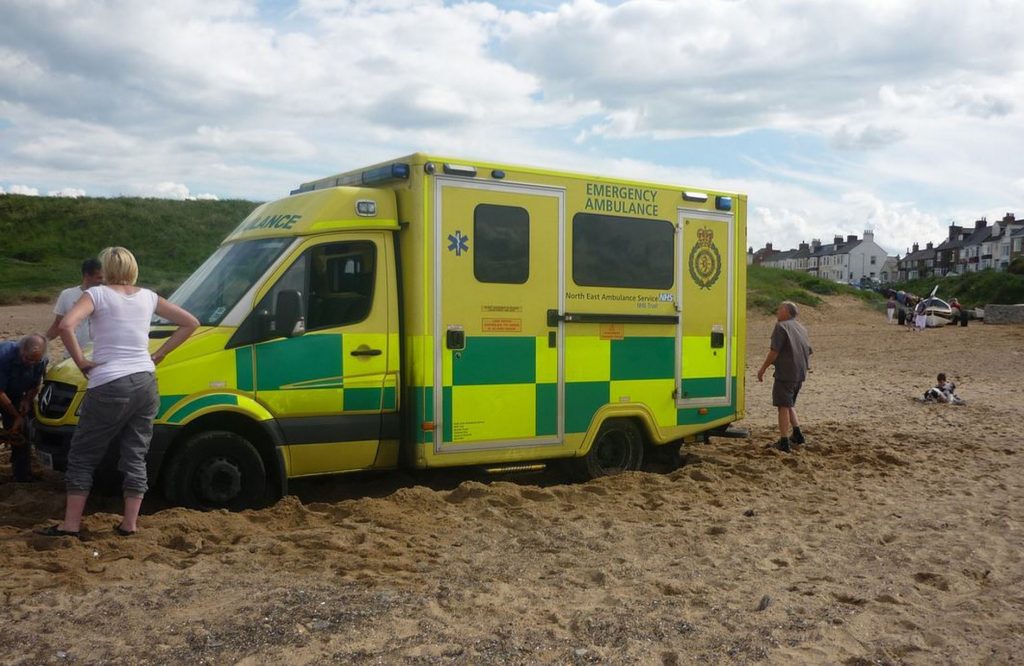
846 260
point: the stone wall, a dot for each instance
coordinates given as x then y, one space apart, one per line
1004 314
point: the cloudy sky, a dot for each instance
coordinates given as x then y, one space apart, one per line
833 116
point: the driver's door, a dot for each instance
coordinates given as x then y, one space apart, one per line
328 382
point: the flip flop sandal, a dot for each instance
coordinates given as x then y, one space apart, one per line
54 531
122 531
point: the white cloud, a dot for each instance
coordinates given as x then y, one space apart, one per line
868 137
69 192
24 190
169 190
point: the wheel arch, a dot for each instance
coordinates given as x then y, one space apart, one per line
265 436
639 414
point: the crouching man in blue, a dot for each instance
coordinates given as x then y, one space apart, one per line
22 365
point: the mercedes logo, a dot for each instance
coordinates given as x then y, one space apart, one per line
45 397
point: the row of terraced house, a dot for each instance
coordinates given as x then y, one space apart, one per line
966 249
848 259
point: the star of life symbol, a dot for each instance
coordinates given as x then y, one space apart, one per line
458 243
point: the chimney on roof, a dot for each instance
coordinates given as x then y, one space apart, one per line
954 231
838 240
1009 218
929 246
815 244
869 235
980 224
915 247
803 246
768 246
852 238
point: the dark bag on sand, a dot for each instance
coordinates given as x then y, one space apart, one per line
901 317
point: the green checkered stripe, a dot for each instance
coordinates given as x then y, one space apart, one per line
307 362
512 360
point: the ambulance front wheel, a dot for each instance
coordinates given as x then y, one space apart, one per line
618 447
217 470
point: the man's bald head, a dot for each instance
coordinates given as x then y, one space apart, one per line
32 348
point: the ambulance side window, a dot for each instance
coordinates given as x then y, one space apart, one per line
342 276
612 251
501 235
335 282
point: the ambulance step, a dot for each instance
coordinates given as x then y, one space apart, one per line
513 469
730 432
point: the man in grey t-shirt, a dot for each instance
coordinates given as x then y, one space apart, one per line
92 275
790 354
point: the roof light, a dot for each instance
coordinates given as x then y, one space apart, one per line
459 170
695 196
385 173
366 207
723 203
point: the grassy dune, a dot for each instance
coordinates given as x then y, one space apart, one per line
45 239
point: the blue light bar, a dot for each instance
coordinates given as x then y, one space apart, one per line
397 171
723 203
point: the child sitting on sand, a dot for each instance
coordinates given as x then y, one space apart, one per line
944 391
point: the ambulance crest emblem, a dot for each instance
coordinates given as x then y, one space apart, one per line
705 260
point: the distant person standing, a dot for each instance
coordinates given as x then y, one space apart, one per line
890 310
790 353
92 275
920 315
121 399
22 365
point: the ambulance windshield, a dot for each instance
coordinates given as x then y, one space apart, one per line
227 275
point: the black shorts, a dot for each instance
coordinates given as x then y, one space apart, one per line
784 393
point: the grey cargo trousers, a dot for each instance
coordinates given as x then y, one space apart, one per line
120 411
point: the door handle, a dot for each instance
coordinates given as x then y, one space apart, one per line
365 351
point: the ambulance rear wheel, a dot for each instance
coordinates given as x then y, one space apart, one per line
618 447
217 470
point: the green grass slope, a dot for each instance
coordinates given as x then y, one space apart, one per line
767 287
43 240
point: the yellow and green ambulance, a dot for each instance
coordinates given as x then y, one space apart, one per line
432 312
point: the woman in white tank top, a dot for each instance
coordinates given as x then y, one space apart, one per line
121 399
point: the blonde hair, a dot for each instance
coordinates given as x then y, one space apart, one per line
119 266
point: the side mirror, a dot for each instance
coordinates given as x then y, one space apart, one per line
288 321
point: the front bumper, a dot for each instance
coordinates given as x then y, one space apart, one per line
55 442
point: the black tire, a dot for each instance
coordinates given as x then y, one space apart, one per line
664 458
216 470
618 447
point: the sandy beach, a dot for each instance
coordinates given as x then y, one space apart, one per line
894 536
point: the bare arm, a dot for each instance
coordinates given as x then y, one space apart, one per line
82 309
8 406
54 329
768 360
187 324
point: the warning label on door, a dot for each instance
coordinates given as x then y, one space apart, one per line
612 331
501 325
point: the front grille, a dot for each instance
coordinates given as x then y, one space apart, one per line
55 398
